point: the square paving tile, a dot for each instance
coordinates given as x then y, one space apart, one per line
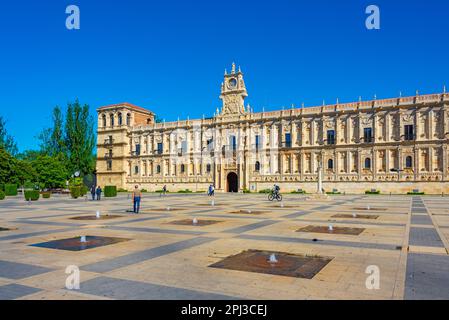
248 211
335 230
289 265
75 244
15 270
14 291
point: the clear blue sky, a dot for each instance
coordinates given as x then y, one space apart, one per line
169 56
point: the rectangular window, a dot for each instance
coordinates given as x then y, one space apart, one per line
184 147
160 148
257 142
288 140
109 165
137 149
210 144
330 136
368 135
233 143
409 132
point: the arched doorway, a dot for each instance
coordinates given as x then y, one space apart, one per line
233 182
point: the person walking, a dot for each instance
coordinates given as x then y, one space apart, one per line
93 191
98 192
137 197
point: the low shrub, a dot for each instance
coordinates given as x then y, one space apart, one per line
75 192
46 195
333 192
143 190
2 195
2 187
185 191
161 191
110 191
246 191
11 190
372 192
32 195
300 191
122 190
416 193
265 191
84 190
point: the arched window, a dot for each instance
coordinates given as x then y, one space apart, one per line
368 163
136 170
409 162
158 169
112 120
330 164
120 119
128 119
104 120
257 166
183 168
208 168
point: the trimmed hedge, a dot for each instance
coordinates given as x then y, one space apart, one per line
185 191
122 190
84 190
11 190
32 195
110 191
75 192
372 192
265 191
161 191
2 195
298 192
416 193
46 195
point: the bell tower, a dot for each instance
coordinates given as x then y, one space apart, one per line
233 93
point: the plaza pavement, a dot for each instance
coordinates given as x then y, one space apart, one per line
408 242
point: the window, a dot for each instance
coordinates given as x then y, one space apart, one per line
257 142
128 119
409 162
368 135
109 165
158 169
104 120
120 119
368 163
137 149
288 140
112 120
160 148
330 136
184 147
233 143
210 144
330 164
409 133
136 170
257 166
208 168
183 168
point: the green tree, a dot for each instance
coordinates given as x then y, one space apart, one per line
79 138
7 141
52 139
51 171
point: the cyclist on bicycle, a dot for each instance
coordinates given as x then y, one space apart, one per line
276 189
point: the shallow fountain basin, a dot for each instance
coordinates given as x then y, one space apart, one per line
248 211
289 265
371 209
189 222
336 230
358 216
7 229
102 217
75 244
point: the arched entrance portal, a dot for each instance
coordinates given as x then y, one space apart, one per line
233 182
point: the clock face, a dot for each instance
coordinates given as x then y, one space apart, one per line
232 83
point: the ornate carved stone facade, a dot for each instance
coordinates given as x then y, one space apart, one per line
358 144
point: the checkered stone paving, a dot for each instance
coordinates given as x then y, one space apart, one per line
166 256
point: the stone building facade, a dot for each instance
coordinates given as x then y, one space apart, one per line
357 144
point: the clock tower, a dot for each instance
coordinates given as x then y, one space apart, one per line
233 93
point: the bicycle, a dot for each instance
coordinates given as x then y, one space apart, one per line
274 196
